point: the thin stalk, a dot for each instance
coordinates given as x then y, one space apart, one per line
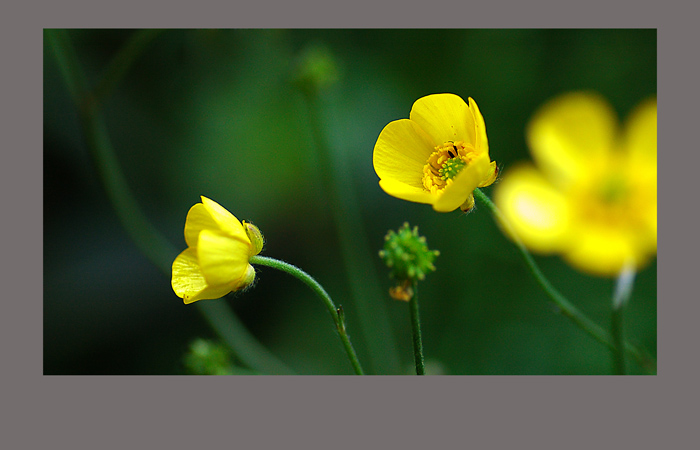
623 291
142 232
122 62
365 287
336 313
564 306
618 341
247 349
151 243
417 336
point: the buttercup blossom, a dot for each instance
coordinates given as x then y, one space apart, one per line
216 260
591 194
438 156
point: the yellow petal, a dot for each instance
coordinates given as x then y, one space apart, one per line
462 186
538 213
406 192
188 281
222 258
640 140
227 222
603 250
569 132
482 142
401 152
445 117
198 219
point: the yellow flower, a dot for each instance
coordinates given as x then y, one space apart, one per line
438 156
216 260
592 196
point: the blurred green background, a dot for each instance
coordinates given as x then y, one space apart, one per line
218 113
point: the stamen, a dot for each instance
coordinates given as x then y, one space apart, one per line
445 163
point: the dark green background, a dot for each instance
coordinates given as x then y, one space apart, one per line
215 113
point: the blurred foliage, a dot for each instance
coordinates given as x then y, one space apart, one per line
220 113
208 358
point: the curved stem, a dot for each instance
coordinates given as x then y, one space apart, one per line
566 308
122 62
336 313
417 336
142 232
365 286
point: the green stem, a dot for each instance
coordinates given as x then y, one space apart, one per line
122 62
623 291
564 306
618 340
417 336
142 232
247 349
365 286
336 313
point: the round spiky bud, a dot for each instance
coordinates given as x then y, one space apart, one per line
408 258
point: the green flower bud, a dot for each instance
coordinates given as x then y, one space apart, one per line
408 258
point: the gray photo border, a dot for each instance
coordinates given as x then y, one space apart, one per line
342 412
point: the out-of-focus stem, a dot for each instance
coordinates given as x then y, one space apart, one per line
564 306
364 283
146 237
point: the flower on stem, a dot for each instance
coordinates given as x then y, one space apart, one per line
591 195
438 156
216 260
408 258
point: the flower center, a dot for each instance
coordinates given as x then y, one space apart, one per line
445 163
451 168
611 200
613 189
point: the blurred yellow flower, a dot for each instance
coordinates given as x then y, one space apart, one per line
218 250
438 156
592 196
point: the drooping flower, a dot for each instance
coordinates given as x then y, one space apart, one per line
438 156
591 194
216 260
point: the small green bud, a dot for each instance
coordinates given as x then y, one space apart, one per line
407 256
